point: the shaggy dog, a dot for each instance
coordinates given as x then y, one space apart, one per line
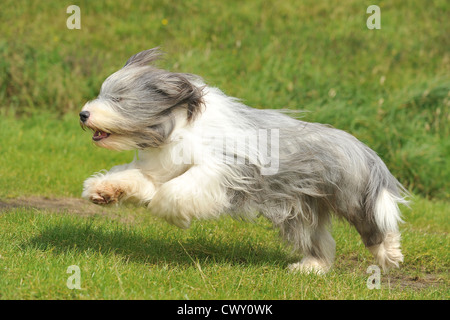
202 154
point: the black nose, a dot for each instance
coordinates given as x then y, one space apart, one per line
84 115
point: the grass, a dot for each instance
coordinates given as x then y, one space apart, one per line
134 256
43 155
388 87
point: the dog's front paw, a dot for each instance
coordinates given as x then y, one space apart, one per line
108 195
102 193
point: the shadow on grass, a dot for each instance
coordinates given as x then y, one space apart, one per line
133 246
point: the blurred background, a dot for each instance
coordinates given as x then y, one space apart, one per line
388 87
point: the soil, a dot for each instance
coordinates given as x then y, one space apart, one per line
69 205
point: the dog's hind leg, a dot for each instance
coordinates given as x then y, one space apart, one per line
313 239
380 232
385 246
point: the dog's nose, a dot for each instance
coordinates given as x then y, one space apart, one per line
84 115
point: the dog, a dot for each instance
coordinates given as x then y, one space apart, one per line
202 154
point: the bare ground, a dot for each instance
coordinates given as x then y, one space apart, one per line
69 205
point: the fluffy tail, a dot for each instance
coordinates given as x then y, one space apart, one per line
386 211
384 195
387 217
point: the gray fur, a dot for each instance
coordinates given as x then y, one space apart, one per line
321 170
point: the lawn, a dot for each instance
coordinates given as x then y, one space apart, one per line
388 87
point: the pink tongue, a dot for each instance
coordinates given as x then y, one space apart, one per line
98 135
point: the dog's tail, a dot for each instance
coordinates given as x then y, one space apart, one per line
387 213
384 193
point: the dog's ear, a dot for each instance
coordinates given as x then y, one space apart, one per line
179 88
144 58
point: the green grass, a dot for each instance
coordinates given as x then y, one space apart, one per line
388 87
131 255
42 155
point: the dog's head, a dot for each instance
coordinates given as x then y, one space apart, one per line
137 104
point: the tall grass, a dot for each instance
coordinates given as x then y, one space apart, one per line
389 87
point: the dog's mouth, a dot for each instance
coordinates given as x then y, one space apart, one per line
100 135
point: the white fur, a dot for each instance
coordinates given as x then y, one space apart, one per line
387 213
388 254
310 265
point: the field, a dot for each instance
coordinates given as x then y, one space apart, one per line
388 87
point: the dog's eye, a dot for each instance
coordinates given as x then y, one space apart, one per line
116 99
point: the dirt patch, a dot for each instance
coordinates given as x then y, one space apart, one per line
415 282
67 205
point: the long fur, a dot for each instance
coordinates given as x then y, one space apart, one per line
203 154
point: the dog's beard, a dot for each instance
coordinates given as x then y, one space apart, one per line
110 140
116 142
